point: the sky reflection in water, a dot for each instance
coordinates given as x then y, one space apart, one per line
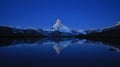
58 52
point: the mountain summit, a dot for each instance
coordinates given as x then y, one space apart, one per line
58 29
58 26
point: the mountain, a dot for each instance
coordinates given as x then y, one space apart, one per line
58 26
113 27
14 32
61 30
58 29
104 33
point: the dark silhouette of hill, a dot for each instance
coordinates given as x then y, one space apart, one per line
109 34
14 32
114 33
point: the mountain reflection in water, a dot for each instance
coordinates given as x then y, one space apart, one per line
70 52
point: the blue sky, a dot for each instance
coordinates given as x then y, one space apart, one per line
78 14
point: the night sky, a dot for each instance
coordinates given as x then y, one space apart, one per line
78 14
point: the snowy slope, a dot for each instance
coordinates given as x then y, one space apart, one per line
109 28
58 26
58 29
113 27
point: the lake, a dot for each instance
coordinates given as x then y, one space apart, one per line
57 52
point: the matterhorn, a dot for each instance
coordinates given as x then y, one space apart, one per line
59 29
58 26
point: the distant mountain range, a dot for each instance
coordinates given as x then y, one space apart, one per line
60 30
108 32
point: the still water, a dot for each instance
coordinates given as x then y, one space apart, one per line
58 52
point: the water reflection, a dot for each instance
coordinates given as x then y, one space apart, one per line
58 44
58 52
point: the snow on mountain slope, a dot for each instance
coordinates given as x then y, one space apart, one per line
112 27
109 28
117 24
60 27
77 32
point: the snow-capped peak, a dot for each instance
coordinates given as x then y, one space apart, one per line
117 24
57 23
58 26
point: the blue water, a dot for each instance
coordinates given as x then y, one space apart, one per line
59 53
